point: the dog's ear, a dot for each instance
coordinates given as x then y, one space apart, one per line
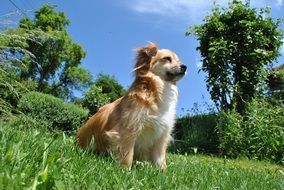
144 56
148 50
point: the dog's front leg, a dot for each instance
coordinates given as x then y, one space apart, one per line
158 153
158 156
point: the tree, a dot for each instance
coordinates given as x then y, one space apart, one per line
110 87
237 44
56 58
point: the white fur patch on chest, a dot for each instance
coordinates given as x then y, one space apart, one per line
162 122
167 110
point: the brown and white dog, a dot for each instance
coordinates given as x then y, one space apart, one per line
139 124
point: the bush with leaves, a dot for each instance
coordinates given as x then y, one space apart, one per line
196 133
94 99
110 86
259 134
10 91
52 112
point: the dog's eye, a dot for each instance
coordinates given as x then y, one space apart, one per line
169 59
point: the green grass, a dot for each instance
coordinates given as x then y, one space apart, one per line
38 159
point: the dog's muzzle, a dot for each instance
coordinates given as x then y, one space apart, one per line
183 69
177 73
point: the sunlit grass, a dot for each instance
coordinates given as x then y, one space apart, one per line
40 159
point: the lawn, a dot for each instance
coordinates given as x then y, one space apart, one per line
39 159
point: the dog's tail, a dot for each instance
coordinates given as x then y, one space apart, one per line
94 130
86 133
91 135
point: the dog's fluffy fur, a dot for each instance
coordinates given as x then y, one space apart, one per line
139 124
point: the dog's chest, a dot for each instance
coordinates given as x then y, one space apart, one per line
167 110
162 121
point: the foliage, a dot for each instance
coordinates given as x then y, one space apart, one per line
13 44
104 90
110 87
258 134
196 133
237 44
52 112
53 59
12 49
276 82
34 158
10 91
94 99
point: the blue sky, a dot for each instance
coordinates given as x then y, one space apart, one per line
109 30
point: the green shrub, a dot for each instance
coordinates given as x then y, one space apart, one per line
196 133
231 133
52 112
259 134
10 90
94 99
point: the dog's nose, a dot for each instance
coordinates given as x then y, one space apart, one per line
183 68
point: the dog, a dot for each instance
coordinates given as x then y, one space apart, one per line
138 125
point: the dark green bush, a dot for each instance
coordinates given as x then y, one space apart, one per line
196 133
259 134
52 112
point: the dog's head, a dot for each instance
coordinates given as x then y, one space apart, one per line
161 62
